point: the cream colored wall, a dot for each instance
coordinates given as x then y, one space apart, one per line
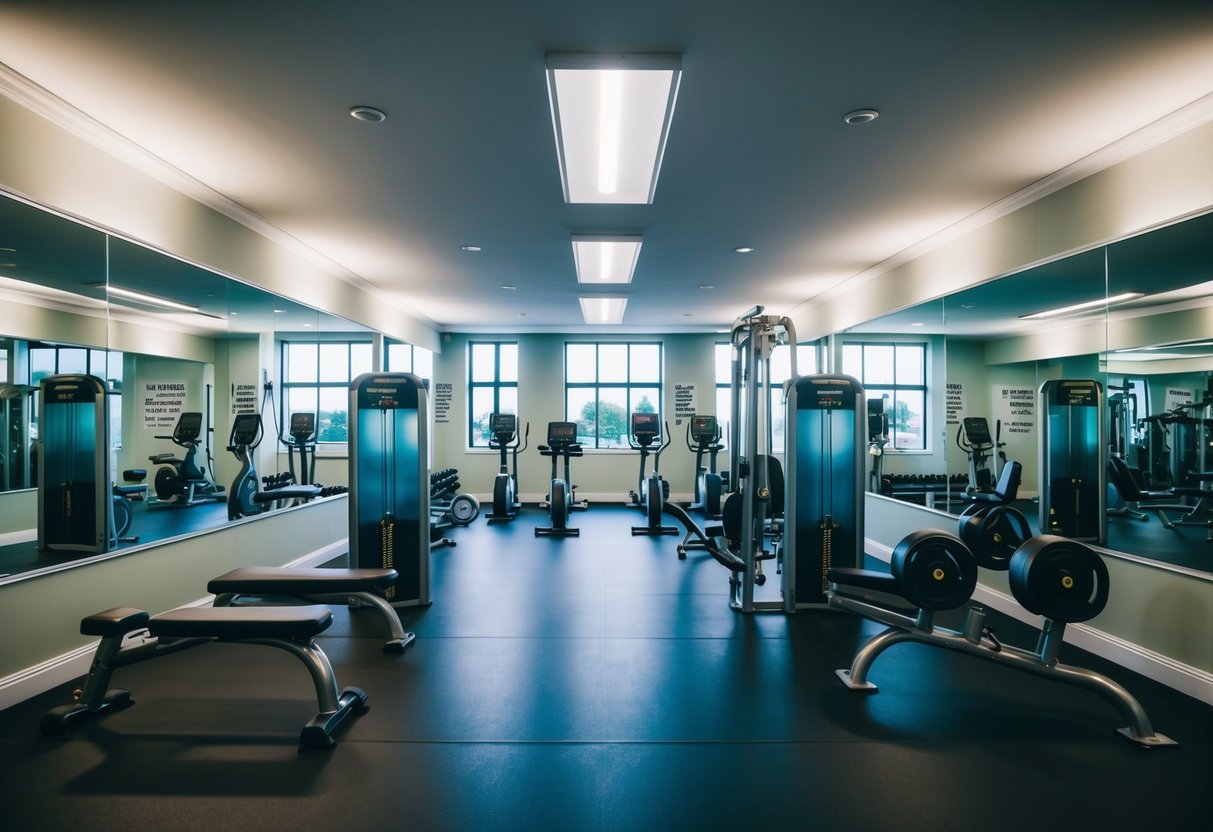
57 168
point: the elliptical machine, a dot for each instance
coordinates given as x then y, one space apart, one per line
245 437
506 504
652 491
181 482
562 442
302 438
710 485
973 437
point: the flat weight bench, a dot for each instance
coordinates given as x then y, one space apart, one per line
289 628
307 585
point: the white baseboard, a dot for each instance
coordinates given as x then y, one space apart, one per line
23 536
74 664
1184 678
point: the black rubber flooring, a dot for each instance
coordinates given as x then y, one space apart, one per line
598 683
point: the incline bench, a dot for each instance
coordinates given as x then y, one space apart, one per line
289 628
306 585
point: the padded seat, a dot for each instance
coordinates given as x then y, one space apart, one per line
242 623
299 581
868 579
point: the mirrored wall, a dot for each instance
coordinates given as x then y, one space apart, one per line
165 338
1136 317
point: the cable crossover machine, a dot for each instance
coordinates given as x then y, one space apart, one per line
824 448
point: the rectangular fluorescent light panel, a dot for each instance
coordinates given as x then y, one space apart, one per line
150 300
611 114
603 310
606 259
1080 307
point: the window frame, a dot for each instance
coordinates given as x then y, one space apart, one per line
893 388
495 384
284 345
628 385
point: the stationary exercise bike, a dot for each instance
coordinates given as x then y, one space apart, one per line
506 504
562 442
651 491
973 437
704 432
180 482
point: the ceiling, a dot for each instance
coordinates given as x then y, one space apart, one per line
977 102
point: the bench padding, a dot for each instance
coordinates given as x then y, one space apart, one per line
868 579
235 623
299 581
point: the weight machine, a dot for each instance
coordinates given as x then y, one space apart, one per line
1073 486
389 482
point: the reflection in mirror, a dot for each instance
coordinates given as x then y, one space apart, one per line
1135 317
181 340
900 360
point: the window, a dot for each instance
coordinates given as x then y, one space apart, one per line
604 383
405 358
316 379
896 373
492 387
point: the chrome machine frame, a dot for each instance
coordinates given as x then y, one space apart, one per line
754 336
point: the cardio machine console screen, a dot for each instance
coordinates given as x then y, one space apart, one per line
504 423
977 429
245 428
703 427
189 425
644 423
303 425
562 433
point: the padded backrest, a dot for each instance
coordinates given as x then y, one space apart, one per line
1008 481
775 482
1122 479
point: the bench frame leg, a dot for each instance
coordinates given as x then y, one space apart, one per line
96 699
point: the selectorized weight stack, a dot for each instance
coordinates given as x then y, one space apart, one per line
389 482
826 432
1073 491
74 496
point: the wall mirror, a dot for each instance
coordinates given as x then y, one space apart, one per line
166 337
1145 335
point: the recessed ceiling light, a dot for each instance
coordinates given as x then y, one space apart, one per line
605 259
861 116
611 115
968 306
706 286
600 310
743 249
917 323
371 114
8 250
471 248
508 287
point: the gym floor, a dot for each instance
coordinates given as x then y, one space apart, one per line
599 683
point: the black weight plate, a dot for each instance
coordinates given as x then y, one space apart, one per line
934 570
994 535
974 508
1059 578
